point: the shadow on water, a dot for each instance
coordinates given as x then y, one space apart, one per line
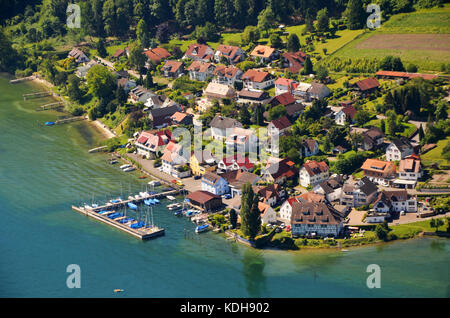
253 269
437 246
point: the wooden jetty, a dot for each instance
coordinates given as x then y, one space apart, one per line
142 233
51 106
69 120
98 149
37 95
19 80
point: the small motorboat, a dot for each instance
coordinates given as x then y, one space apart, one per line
142 177
201 228
154 183
49 123
113 161
156 201
132 206
118 290
129 169
149 202
125 166
178 213
170 197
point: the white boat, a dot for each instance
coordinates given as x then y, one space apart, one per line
137 196
129 169
154 183
125 166
174 206
171 198
143 194
130 198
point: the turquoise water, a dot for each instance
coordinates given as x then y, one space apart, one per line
44 170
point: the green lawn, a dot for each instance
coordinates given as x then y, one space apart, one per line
435 155
411 229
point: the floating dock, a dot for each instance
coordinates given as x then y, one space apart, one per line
37 95
142 233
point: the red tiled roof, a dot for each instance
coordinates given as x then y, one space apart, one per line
200 49
406 75
285 99
173 65
199 66
256 76
313 167
157 54
281 123
368 83
349 111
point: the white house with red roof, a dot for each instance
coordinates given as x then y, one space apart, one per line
235 162
174 160
254 79
199 52
233 54
149 144
200 71
227 74
285 85
313 173
242 140
344 115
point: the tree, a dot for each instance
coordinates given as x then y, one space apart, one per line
361 117
277 112
244 115
148 82
250 35
321 73
436 223
73 88
293 43
381 232
323 21
233 218
163 32
101 82
356 16
259 117
308 66
137 59
421 133
391 122
266 19
101 50
121 95
276 41
142 33
250 215
309 21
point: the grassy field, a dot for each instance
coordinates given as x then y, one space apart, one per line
411 229
435 23
435 155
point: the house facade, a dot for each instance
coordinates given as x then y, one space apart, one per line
398 149
258 80
313 173
378 171
201 71
220 124
214 183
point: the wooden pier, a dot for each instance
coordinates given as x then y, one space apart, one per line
98 149
37 95
51 106
19 80
69 120
142 233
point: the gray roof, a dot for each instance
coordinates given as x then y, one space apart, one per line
402 143
224 122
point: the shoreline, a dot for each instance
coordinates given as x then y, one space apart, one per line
103 129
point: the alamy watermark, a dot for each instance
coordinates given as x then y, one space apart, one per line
74 16
74 279
374 20
374 279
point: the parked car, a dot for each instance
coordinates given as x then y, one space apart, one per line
227 196
197 177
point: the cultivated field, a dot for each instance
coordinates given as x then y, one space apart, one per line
428 47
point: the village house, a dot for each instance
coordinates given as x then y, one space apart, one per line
287 206
310 91
271 194
331 188
152 144
227 75
279 171
310 147
214 183
366 86
361 192
278 127
378 171
339 150
180 118
409 172
293 62
201 71
293 111
157 101
284 99
242 140
264 53
172 69
156 55
219 91
254 79
78 55
268 214
82 70
246 96
372 138
202 162
346 114
229 53
205 200
404 75
126 84
199 52
119 53
234 163
315 219
237 178
161 117
284 85
313 173
174 161
399 149
140 94
395 201
219 126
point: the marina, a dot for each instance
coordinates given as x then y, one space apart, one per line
107 214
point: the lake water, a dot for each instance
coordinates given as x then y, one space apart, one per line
44 170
